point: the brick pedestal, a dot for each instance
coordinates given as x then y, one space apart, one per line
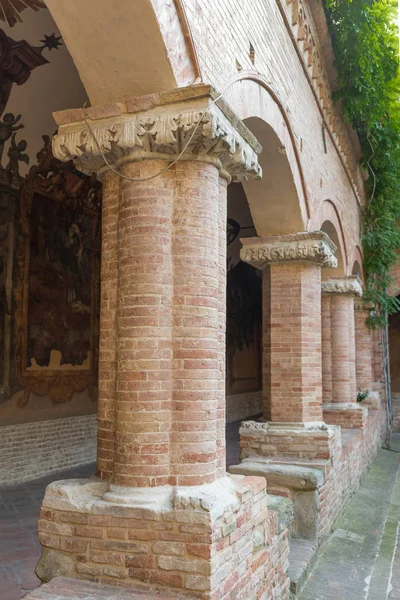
162 511
342 409
213 541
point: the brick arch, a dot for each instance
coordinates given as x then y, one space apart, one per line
357 263
328 213
135 48
279 202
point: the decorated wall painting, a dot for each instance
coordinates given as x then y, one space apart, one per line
49 230
57 292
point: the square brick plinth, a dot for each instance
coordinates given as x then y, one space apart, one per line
211 541
289 440
349 416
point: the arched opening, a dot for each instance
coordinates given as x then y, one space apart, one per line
243 324
329 228
274 201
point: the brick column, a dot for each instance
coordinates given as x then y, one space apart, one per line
326 350
108 316
292 344
365 356
364 348
162 368
292 373
343 408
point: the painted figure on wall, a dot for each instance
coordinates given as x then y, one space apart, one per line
59 283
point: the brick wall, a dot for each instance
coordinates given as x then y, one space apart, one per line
223 47
346 470
31 450
343 455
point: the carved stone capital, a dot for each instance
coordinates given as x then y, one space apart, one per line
302 247
163 131
350 286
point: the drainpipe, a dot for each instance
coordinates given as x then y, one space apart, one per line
386 366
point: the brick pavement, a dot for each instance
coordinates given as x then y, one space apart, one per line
19 547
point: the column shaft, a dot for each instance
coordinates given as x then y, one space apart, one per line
108 328
196 374
292 347
364 358
222 251
377 355
343 360
326 349
144 375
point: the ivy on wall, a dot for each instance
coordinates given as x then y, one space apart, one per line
366 46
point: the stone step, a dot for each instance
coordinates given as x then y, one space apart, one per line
64 588
303 554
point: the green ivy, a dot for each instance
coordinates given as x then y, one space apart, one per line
366 46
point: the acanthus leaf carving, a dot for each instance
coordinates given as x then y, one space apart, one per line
313 247
342 285
167 133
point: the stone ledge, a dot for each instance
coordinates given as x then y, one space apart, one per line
293 477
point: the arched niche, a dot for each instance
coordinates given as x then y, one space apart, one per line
358 269
278 202
329 228
327 219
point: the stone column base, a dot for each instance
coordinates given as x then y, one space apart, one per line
290 440
211 541
349 416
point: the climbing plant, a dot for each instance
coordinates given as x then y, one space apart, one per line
366 46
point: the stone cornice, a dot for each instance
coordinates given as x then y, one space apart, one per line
161 132
301 247
351 286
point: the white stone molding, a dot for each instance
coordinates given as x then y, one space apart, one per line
276 428
350 286
162 132
301 247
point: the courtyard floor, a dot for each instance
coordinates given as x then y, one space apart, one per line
361 560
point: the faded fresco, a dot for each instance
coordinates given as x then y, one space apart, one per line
59 283
49 230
